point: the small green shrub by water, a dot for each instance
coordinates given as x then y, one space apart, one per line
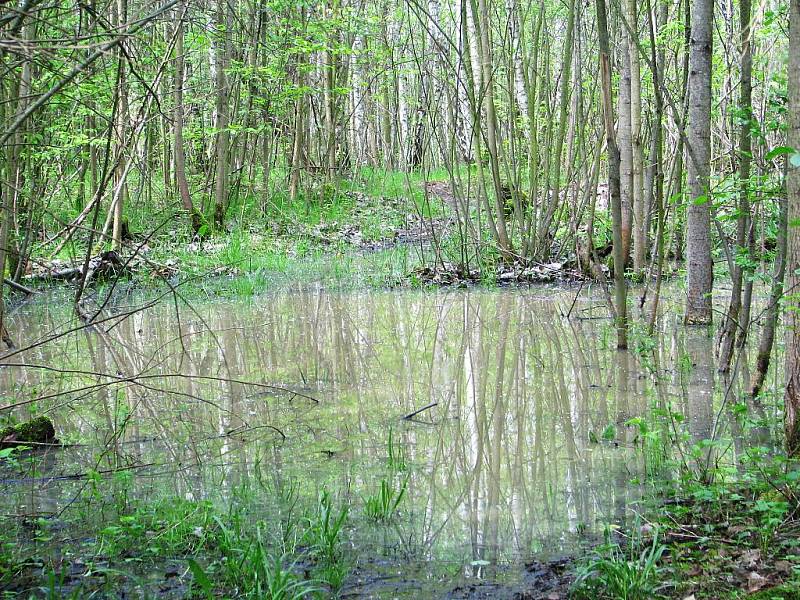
614 573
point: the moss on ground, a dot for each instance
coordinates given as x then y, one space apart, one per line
36 431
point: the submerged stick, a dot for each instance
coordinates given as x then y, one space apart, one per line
416 412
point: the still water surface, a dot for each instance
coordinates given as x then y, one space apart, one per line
523 448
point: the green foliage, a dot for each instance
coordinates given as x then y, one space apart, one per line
382 506
163 528
324 533
621 574
396 460
251 568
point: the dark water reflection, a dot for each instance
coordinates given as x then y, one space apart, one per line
510 461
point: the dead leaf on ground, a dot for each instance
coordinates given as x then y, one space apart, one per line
784 566
755 582
750 558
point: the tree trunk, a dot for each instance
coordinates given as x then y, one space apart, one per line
792 395
625 154
180 152
221 126
773 308
545 234
637 159
118 203
620 289
699 268
493 147
731 325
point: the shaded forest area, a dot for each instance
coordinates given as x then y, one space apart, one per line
641 149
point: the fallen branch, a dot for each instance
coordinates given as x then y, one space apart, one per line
416 412
17 286
107 264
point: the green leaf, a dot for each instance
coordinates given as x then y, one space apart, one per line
201 578
778 151
609 433
700 200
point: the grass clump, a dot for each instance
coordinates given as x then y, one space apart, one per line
617 573
382 506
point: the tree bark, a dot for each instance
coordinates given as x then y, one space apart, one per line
180 152
637 159
792 394
731 325
626 153
699 268
620 289
221 126
120 196
773 308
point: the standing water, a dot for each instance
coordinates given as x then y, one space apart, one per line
504 423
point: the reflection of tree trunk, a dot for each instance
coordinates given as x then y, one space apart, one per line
495 435
700 392
622 412
566 409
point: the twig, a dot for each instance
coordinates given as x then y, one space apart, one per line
416 412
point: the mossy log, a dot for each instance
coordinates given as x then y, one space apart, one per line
36 431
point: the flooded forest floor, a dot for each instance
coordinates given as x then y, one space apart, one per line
310 410
479 443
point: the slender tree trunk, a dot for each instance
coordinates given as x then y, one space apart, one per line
545 234
299 127
656 168
637 159
699 268
625 153
792 396
329 79
5 213
120 196
773 308
492 145
222 136
620 289
180 152
731 325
